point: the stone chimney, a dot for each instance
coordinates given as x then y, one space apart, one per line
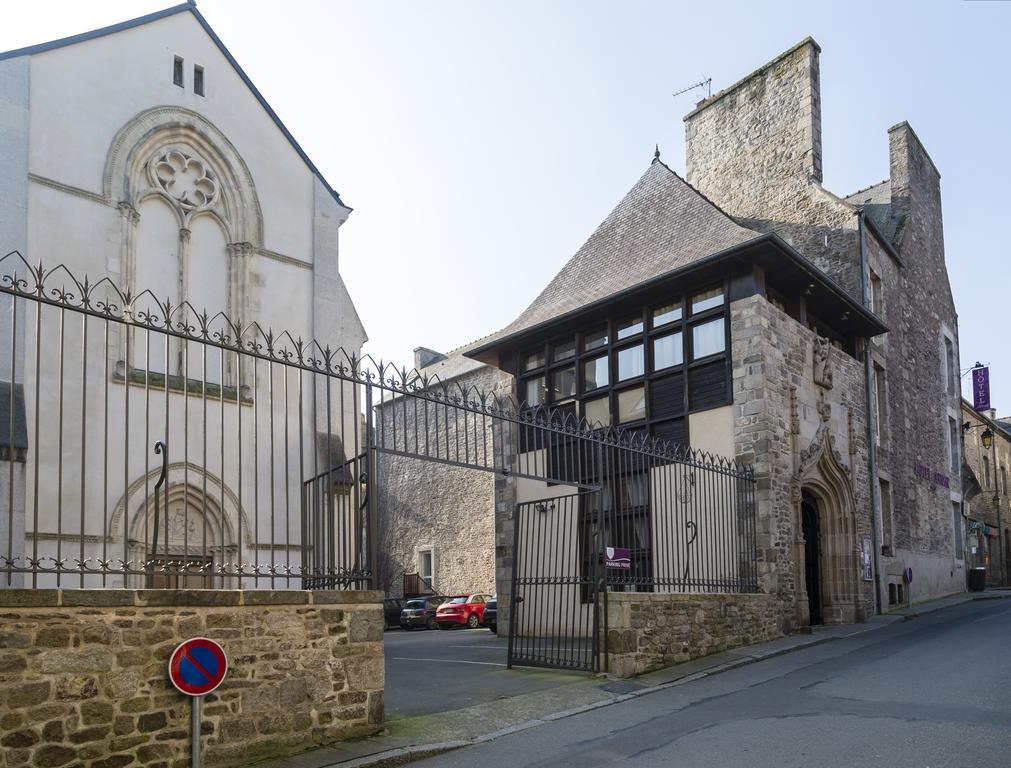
915 184
747 142
424 357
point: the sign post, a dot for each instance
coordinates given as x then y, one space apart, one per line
197 666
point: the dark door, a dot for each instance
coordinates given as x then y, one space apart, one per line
812 560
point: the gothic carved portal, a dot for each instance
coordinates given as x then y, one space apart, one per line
826 558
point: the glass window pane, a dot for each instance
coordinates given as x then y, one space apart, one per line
707 300
533 360
595 340
630 363
629 327
708 339
535 391
595 373
667 314
631 405
598 411
667 351
563 350
563 383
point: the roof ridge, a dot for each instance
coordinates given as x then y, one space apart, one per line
190 7
864 189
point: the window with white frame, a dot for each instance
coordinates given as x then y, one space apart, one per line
880 406
956 514
425 567
951 373
887 525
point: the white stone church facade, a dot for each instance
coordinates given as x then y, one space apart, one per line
142 153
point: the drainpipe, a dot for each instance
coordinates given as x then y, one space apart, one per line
872 444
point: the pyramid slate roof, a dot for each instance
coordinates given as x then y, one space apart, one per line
662 224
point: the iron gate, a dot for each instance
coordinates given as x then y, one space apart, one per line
556 580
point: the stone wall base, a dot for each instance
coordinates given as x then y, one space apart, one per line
84 682
648 631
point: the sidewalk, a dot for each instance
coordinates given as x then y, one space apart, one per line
413 738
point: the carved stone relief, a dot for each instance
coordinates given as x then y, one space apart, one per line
822 363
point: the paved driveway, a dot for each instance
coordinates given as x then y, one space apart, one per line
431 671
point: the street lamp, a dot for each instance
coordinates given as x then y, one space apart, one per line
987 438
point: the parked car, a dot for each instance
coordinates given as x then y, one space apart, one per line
392 607
420 612
462 610
490 618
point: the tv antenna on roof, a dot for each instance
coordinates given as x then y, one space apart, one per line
706 82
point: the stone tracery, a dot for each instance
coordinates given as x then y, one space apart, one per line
185 178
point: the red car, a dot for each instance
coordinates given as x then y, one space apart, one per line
461 610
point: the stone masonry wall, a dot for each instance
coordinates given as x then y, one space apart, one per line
427 505
647 631
778 412
754 149
84 680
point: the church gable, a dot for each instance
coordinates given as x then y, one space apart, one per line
171 61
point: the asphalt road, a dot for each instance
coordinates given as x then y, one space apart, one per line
431 671
934 692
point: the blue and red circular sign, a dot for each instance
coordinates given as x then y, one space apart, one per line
197 666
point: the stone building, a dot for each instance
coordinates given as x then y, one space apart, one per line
747 311
142 153
755 150
987 502
436 521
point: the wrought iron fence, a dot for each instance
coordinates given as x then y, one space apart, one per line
266 470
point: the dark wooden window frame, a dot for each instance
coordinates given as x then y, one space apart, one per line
646 337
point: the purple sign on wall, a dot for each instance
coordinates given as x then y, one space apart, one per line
981 388
618 557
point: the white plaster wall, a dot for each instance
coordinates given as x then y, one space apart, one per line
81 95
53 158
712 431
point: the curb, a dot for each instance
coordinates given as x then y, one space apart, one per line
405 755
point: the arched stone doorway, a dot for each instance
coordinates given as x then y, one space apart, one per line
827 558
194 542
210 539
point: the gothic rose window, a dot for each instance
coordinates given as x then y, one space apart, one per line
186 179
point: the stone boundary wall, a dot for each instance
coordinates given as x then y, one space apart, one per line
84 680
648 631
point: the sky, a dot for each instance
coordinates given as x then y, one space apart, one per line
480 143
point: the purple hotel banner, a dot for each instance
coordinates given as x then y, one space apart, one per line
981 388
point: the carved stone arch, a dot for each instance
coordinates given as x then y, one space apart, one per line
140 496
822 476
127 175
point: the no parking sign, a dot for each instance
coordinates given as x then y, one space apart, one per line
196 668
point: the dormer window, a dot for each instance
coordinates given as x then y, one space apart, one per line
177 72
198 80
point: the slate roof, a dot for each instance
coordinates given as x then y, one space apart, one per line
190 7
876 203
662 224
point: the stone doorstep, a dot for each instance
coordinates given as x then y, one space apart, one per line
159 598
388 750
